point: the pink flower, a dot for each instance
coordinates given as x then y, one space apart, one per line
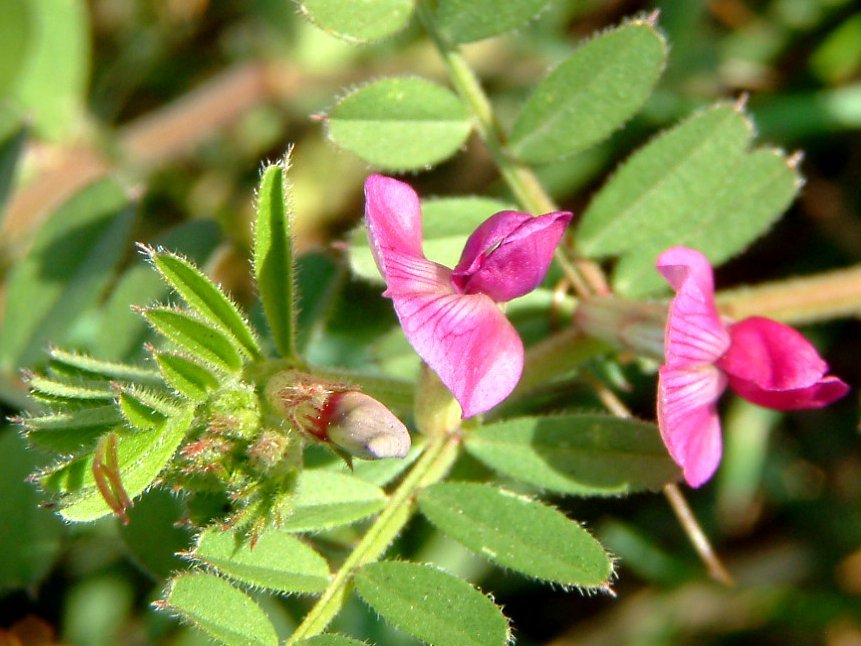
764 361
449 316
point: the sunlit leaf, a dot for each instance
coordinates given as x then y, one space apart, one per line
70 263
274 261
122 332
205 298
277 561
432 605
584 455
591 94
71 430
327 499
331 640
17 36
358 21
220 610
517 532
185 376
199 339
400 123
463 21
88 366
697 184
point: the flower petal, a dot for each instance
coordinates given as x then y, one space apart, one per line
509 254
394 219
773 365
695 334
688 419
467 341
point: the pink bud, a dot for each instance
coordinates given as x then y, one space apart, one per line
363 427
508 255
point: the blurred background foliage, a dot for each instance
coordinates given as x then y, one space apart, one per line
147 120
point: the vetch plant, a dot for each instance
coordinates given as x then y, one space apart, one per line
299 476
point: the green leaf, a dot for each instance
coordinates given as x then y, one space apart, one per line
12 135
221 611
277 561
205 298
71 431
584 455
29 535
141 456
358 21
122 331
517 532
591 94
400 123
274 260
72 260
695 184
463 21
201 340
432 605
100 369
65 389
446 223
325 499
187 377
144 410
52 82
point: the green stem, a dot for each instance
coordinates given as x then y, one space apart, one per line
432 466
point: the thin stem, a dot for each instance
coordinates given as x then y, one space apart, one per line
432 466
696 535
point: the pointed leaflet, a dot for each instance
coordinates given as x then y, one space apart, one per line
98 368
199 339
695 184
328 639
517 532
187 377
464 21
325 499
122 332
583 455
71 431
432 605
64 389
358 21
400 123
591 94
278 561
205 298
217 608
71 261
274 261
141 456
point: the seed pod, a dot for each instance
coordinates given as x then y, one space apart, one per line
362 426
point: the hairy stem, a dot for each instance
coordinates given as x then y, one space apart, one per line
432 466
